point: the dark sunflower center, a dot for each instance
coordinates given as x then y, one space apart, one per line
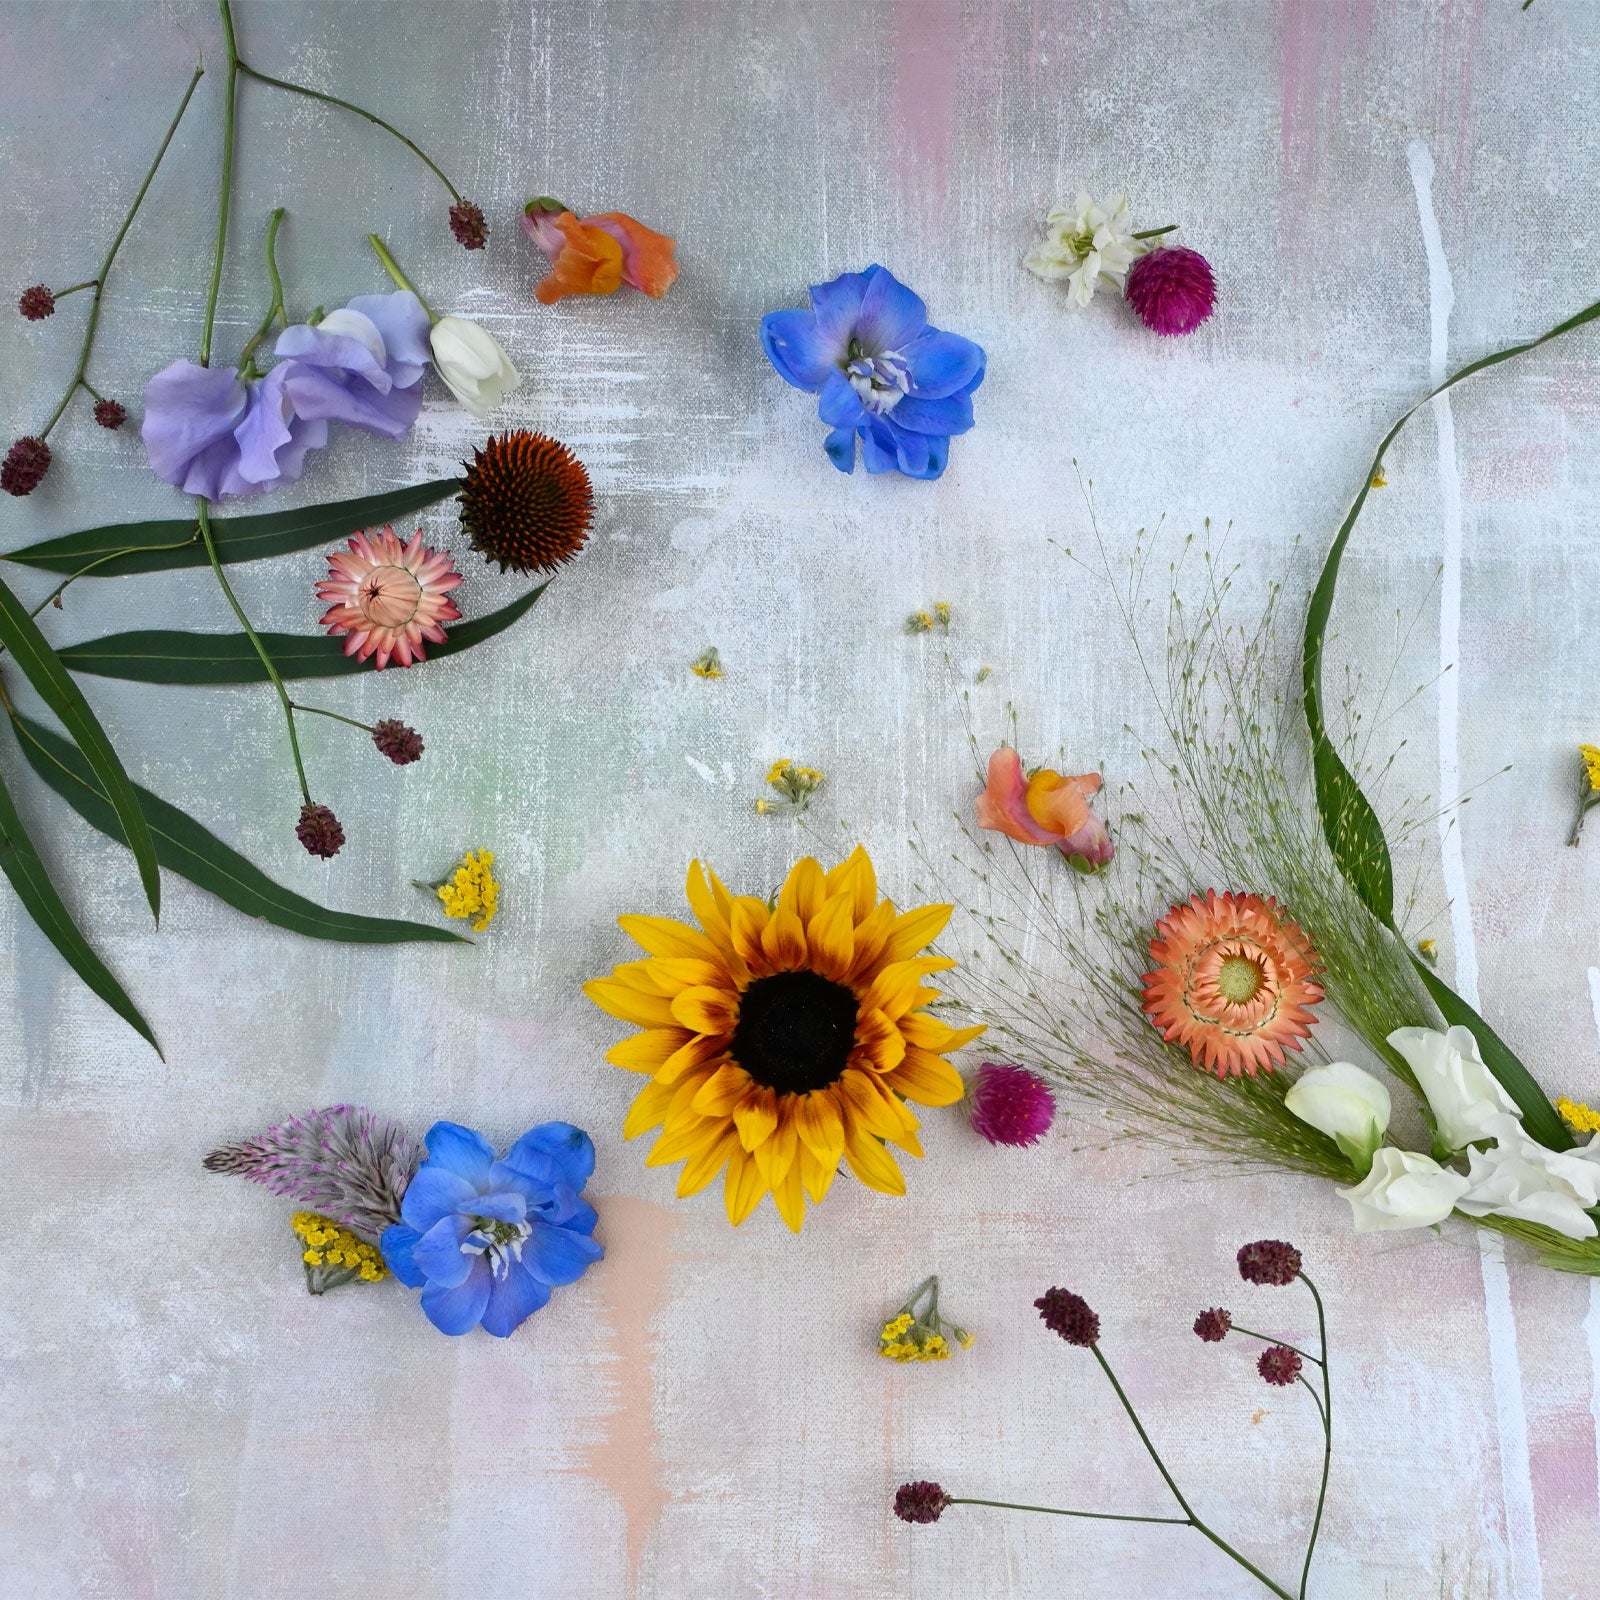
795 1031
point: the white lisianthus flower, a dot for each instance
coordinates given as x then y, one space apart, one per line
1519 1178
1349 1105
472 363
1465 1096
1403 1190
1087 242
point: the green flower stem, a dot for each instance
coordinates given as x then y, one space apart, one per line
98 283
1155 233
203 512
1250 1333
392 267
1327 1434
1056 1511
317 711
334 100
275 310
1177 1494
225 187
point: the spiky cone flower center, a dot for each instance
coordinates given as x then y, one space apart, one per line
781 1038
526 502
1234 982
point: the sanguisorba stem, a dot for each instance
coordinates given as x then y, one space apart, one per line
98 283
1177 1494
1057 1511
225 186
1327 1435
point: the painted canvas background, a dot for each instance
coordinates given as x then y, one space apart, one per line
1384 188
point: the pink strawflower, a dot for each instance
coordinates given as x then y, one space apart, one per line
1172 289
1011 1105
389 598
1046 809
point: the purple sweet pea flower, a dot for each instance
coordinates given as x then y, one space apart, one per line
485 1239
884 376
210 432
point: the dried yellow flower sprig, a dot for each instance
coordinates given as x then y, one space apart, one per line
795 786
910 1335
1577 1116
1588 787
471 892
708 666
926 622
333 1255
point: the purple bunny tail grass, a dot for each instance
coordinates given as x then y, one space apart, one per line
342 1161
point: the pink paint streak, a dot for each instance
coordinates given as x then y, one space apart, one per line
927 74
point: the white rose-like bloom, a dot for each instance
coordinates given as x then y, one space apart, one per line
1085 243
1403 1190
1465 1095
1349 1105
1519 1178
472 363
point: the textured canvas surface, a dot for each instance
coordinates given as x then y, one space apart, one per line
1384 188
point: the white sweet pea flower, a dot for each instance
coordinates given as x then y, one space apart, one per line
472 363
1089 242
1465 1096
1346 1103
1403 1190
1519 1178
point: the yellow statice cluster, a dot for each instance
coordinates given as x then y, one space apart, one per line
1590 756
329 1245
708 666
910 1337
926 622
472 892
1578 1116
795 784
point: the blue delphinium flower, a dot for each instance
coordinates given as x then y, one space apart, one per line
485 1239
884 376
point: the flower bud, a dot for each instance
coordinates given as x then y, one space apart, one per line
1279 1365
1068 1315
467 224
472 363
319 831
1347 1104
110 413
25 465
401 744
920 1502
1270 1262
36 303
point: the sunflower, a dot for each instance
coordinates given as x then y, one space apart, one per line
1233 983
781 1037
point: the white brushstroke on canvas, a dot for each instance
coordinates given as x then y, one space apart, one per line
1591 1323
1516 1474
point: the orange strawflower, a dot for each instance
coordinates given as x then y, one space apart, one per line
597 255
1233 982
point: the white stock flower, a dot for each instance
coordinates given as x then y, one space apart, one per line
1088 242
472 363
1521 1179
1346 1103
1403 1190
1465 1096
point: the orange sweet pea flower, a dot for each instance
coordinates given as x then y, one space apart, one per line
597 255
1046 809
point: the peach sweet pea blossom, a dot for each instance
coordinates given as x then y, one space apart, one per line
1046 809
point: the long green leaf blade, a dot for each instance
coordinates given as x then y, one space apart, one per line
21 863
166 656
126 547
1349 823
20 634
194 852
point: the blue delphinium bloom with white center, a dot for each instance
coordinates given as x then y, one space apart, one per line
485 1239
884 376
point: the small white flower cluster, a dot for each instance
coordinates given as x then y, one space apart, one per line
1508 1173
1088 242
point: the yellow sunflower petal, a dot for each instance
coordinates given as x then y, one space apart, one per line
685 1136
816 1174
756 1118
747 918
644 976
701 1048
873 1164
700 1169
743 1188
878 1042
783 942
907 1139
856 877
649 1109
831 938
820 1126
929 1033
663 936
927 1079
723 1090
706 1009
647 1051
789 1198
915 930
683 972
871 1107
871 936
895 989
779 1154
710 909
804 891
628 1004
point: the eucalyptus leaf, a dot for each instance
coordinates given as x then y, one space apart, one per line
1349 823
21 863
156 655
127 547
192 851
20 634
